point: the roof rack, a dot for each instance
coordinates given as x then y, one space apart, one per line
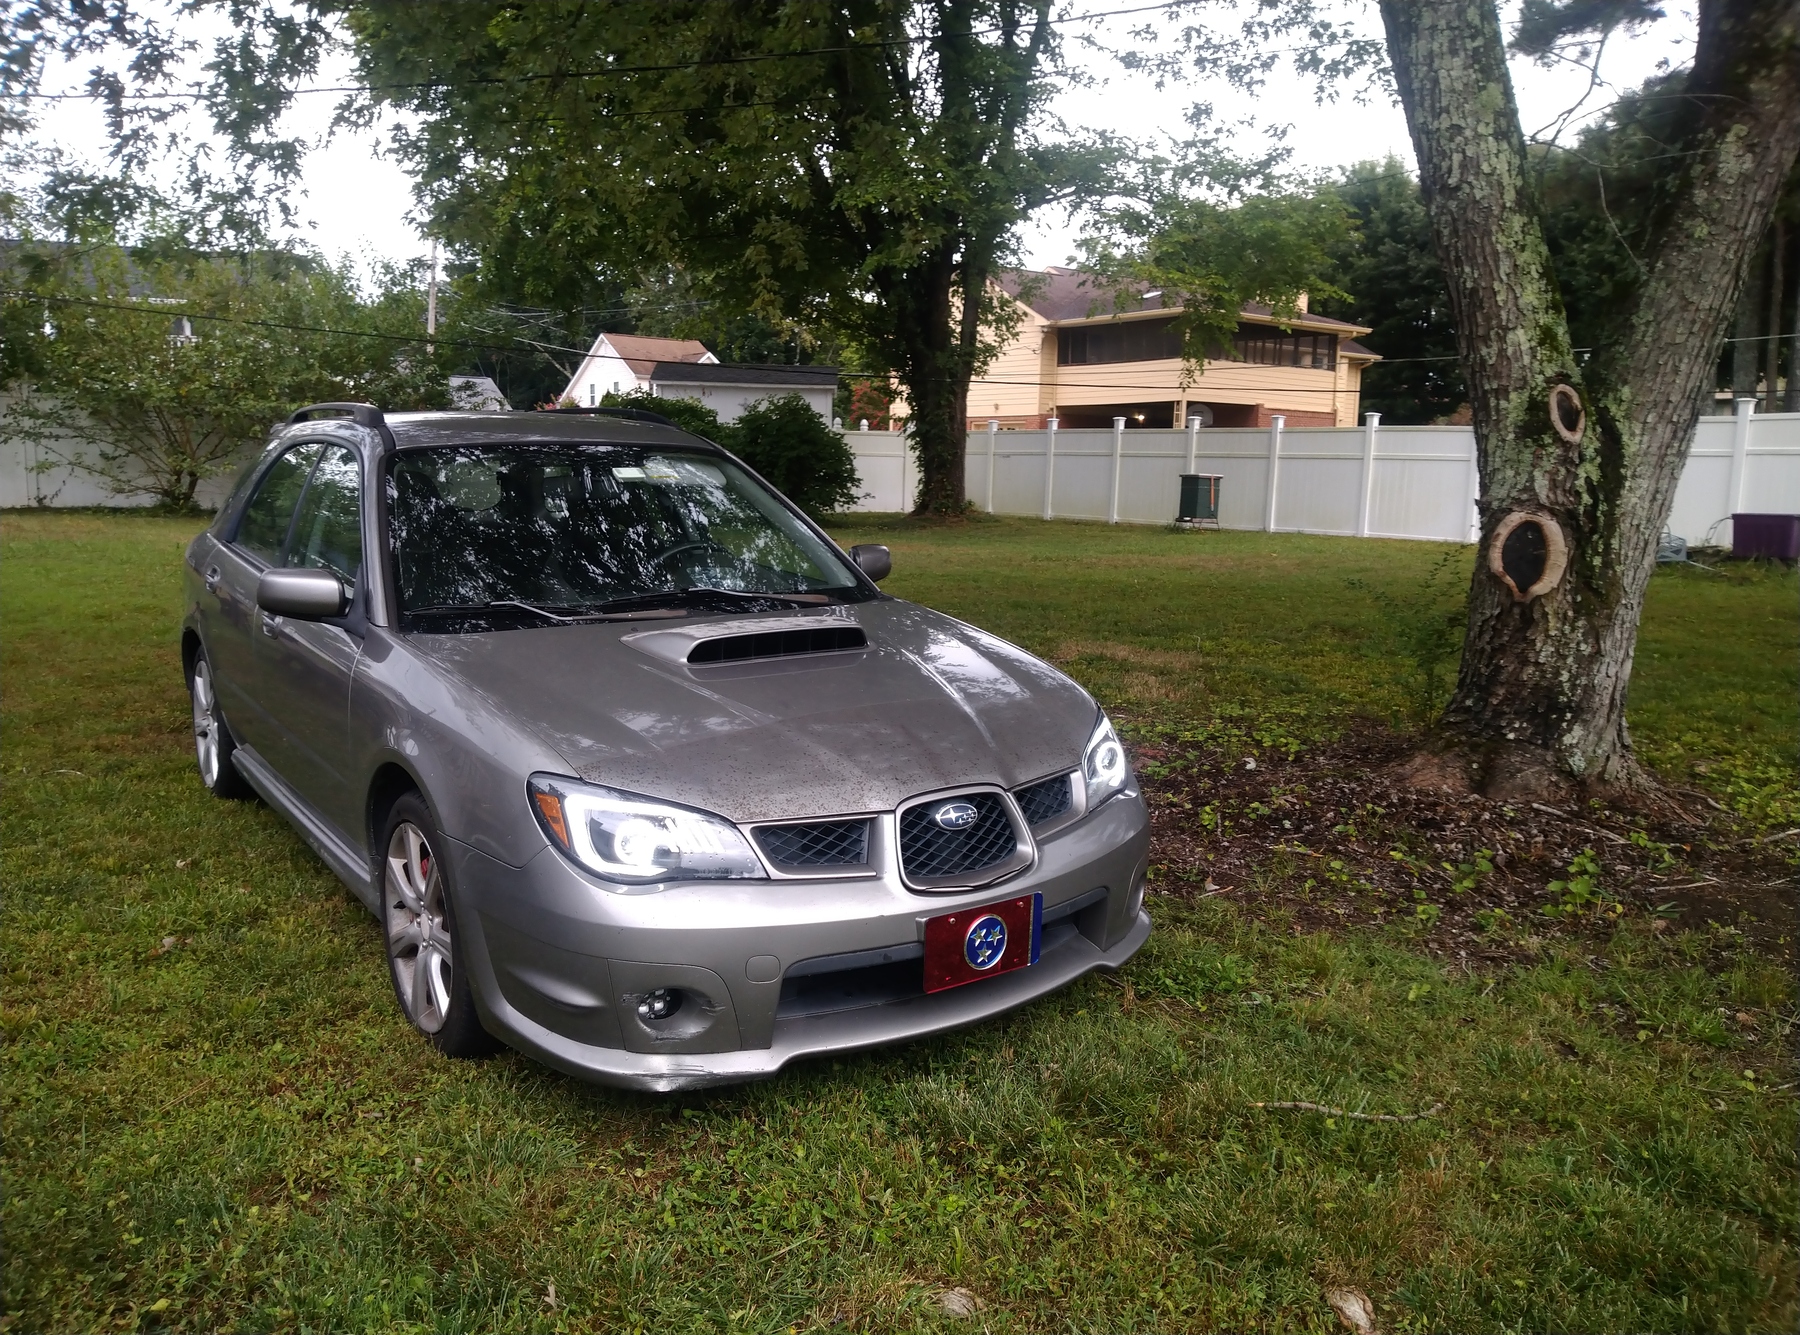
629 414
363 414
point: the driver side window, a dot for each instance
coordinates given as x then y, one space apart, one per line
328 528
263 530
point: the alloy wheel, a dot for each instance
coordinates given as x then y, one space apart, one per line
206 723
418 936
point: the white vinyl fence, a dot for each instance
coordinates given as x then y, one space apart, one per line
1370 481
37 472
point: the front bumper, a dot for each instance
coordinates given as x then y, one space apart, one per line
559 965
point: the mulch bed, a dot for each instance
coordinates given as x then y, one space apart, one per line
1328 838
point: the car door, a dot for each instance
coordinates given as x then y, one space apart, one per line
304 667
232 571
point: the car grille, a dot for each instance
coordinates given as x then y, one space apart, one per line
928 851
1044 801
826 843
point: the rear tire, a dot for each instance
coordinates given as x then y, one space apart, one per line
431 981
213 742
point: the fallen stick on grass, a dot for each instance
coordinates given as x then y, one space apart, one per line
1432 1111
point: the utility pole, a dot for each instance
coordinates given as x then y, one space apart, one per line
431 301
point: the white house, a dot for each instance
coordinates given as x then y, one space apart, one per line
683 368
729 389
620 363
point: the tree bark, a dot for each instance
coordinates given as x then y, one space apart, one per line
1539 704
1791 396
1770 347
928 348
1743 337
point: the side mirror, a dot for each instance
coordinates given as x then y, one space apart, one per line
874 560
305 595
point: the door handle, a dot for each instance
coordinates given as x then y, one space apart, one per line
271 624
212 579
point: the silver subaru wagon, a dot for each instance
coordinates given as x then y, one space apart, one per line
639 772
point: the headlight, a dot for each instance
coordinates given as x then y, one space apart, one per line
635 841
1103 765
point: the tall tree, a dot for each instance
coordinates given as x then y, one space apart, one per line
862 163
1579 461
1390 270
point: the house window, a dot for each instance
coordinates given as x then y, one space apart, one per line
1265 345
590 393
1128 341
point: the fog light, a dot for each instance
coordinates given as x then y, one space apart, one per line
660 1004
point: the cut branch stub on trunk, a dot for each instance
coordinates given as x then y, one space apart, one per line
1567 417
1528 554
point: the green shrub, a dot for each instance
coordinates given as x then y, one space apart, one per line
688 414
796 450
781 438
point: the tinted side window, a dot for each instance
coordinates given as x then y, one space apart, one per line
239 486
328 529
264 526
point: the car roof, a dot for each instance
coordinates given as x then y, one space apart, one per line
424 430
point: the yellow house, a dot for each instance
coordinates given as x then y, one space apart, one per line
1077 358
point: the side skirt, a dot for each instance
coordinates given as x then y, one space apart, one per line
344 860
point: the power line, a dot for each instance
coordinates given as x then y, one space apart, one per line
172 311
616 70
169 310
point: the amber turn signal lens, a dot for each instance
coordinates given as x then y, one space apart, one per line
551 807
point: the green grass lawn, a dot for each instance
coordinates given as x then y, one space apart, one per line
216 1118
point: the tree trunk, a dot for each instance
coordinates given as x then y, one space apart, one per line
1770 347
1791 398
921 297
1539 704
1743 337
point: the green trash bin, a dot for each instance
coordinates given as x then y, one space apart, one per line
1199 500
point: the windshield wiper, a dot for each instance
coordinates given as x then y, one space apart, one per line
699 592
797 599
599 613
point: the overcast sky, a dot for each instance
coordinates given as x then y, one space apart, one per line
357 200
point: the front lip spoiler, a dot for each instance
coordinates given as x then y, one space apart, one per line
830 1034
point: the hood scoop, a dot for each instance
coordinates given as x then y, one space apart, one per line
747 640
778 644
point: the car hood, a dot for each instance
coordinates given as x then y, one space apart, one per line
929 704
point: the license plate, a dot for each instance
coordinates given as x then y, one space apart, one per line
980 942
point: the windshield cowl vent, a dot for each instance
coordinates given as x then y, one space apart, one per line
778 644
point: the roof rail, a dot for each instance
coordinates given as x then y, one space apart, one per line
363 414
629 414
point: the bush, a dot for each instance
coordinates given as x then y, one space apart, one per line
798 452
781 438
688 414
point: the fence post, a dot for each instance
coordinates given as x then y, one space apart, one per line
1371 424
1050 425
993 431
1193 440
1112 505
1474 489
1740 450
1276 423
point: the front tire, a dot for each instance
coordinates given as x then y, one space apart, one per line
213 742
430 980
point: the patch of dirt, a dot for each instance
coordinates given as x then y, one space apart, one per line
1342 834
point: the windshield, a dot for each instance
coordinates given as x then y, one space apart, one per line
559 530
